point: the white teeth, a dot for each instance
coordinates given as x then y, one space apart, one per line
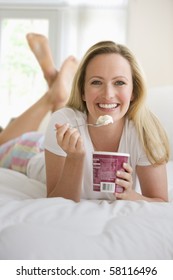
108 106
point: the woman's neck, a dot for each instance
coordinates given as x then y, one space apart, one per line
107 138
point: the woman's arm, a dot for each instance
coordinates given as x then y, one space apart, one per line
64 174
153 183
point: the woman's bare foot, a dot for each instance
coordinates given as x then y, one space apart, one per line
61 87
40 47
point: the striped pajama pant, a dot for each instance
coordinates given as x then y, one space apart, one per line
15 154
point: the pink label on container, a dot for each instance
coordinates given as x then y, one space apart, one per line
105 166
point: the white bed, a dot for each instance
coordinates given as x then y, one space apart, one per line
34 227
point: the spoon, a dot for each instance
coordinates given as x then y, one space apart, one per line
102 120
90 124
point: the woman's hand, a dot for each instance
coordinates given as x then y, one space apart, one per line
69 139
124 180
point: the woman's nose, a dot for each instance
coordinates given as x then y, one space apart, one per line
109 91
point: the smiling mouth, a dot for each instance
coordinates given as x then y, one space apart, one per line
108 106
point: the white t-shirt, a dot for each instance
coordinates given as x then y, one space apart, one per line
129 143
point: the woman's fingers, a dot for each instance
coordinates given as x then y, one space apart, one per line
69 139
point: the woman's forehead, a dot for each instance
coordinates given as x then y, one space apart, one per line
114 64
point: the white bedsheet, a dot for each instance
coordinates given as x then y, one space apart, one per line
34 227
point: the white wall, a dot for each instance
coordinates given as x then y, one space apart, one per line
150 36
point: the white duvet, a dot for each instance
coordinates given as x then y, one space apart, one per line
34 227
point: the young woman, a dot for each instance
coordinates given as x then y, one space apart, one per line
108 82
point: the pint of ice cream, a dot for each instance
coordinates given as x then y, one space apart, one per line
105 166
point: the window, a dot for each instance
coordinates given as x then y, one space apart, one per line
21 79
70 29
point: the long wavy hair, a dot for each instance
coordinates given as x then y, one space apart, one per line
151 132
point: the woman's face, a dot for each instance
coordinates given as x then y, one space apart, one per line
108 87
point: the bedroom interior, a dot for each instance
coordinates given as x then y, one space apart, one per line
34 227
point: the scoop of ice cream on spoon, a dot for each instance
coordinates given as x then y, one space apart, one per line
104 120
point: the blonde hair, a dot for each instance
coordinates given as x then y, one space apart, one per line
151 133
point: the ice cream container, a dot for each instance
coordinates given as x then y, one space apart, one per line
105 167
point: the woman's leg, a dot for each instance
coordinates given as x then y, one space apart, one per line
61 87
61 80
39 45
55 98
18 141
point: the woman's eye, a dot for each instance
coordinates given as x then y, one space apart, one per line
119 83
96 82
